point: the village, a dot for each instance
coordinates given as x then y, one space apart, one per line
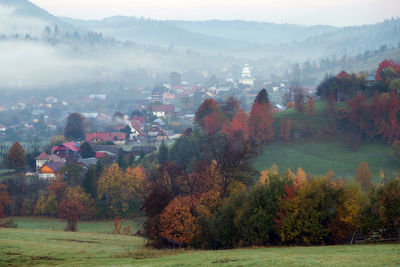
129 128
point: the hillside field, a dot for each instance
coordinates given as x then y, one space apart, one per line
318 157
319 154
24 246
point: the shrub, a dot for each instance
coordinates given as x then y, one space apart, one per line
311 215
382 214
255 218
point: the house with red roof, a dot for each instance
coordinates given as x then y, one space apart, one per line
116 137
69 151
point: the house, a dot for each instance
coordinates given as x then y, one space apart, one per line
3 128
139 120
43 158
116 137
163 110
157 93
51 100
69 151
50 170
158 133
168 96
159 122
97 97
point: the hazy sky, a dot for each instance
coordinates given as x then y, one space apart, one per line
333 12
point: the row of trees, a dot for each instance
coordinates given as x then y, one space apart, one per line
100 192
204 194
289 209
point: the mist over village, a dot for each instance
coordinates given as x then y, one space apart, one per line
262 133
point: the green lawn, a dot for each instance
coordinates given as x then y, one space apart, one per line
23 247
317 157
99 226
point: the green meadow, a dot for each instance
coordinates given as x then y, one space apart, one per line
41 242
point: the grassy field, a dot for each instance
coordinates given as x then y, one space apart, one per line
26 247
317 157
325 152
100 226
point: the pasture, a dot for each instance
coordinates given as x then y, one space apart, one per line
40 242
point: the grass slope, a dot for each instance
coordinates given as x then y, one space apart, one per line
317 155
23 247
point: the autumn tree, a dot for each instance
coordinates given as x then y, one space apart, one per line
213 123
70 209
5 200
16 158
382 215
310 107
260 121
299 99
119 190
206 108
178 221
385 64
231 107
310 214
364 176
286 127
76 127
239 124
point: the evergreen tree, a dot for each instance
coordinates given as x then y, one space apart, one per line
90 181
262 97
86 151
127 130
121 160
131 161
162 153
76 127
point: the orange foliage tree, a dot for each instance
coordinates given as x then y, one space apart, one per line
178 222
238 124
310 107
206 108
70 209
5 200
286 127
16 157
261 129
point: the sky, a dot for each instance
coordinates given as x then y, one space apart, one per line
304 12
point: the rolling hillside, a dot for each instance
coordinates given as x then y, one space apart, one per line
317 155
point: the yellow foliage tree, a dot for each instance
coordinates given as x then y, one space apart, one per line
364 176
301 178
119 189
266 174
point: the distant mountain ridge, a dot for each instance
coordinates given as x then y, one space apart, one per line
231 38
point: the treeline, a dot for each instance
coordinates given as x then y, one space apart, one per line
289 209
204 193
364 108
